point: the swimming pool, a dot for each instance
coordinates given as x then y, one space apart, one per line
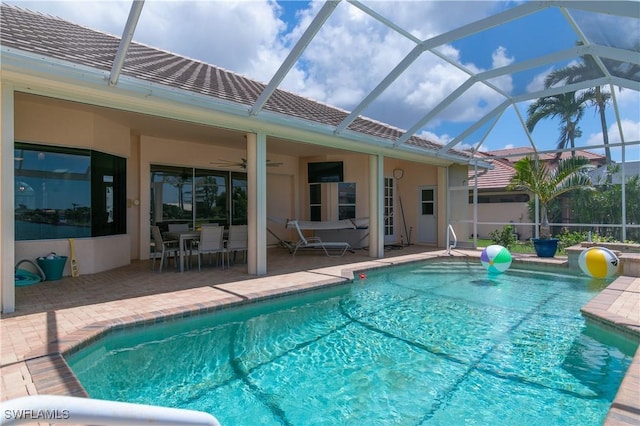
430 343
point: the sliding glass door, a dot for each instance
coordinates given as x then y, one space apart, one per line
197 196
211 197
239 198
171 195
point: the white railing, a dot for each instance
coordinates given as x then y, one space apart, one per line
74 410
450 232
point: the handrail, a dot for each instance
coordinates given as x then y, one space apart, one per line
74 410
455 239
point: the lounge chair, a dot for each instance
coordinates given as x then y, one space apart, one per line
316 243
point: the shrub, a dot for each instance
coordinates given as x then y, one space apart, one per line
568 239
505 238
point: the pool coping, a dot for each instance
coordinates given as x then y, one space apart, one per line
50 373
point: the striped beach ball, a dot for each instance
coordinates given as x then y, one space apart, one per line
598 262
495 258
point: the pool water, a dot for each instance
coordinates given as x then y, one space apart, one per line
439 343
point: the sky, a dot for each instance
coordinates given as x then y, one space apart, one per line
353 53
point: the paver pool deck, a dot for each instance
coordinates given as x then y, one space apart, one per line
55 317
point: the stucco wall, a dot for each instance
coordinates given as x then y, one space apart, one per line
38 121
42 122
513 213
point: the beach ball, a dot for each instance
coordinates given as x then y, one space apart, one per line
495 258
598 262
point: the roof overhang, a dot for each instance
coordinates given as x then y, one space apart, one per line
40 75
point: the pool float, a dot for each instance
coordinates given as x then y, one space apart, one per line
495 258
24 278
598 262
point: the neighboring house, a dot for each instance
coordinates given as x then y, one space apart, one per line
497 206
177 140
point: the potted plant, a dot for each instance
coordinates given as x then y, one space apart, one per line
537 178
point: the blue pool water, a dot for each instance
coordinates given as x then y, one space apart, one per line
439 343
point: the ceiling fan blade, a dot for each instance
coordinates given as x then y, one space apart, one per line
242 163
227 163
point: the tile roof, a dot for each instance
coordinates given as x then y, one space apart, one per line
497 178
500 176
517 153
59 39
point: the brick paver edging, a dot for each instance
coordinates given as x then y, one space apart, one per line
52 375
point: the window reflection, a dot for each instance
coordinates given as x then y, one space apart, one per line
346 200
197 196
239 198
211 197
171 195
52 193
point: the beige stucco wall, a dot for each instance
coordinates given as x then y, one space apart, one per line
512 213
40 121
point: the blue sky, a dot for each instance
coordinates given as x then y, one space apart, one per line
353 52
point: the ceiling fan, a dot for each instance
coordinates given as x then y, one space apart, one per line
242 163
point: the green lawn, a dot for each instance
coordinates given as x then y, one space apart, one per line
519 247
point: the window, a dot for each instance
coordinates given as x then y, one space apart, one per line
197 196
171 195
68 193
239 198
315 202
500 198
346 200
211 197
108 194
388 207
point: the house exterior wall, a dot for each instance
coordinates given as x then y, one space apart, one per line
37 120
507 213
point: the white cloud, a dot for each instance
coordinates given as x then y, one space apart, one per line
441 139
537 83
631 131
500 58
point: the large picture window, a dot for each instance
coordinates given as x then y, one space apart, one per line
67 193
197 196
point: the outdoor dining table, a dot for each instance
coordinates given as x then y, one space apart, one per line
182 237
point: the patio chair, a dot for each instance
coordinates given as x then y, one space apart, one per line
237 241
210 242
166 247
340 247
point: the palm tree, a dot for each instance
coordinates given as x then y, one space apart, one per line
535 177
587 70
568 107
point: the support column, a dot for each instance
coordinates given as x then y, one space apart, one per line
7 201
376 206
257 203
